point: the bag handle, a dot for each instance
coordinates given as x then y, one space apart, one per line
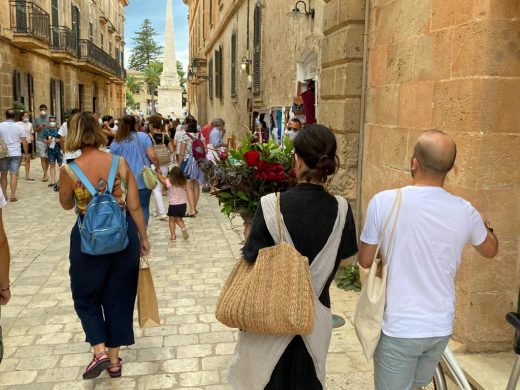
279 218
112 174
396 205
140 149
143 263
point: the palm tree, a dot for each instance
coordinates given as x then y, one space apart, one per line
152 78
133 84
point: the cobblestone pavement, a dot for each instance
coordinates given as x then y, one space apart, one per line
44 342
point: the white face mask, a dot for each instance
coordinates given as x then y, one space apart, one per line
52 124
100 121
25 119
43 112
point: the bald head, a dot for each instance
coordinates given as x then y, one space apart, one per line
436 152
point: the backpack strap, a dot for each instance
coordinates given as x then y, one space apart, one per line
112 174
81 177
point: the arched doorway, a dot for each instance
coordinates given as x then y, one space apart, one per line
307 70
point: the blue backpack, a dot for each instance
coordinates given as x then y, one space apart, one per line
103 229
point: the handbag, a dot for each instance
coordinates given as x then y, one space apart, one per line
161 151
147 307
149 175
274 295
371 304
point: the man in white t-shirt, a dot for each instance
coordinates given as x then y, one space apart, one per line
68 156
431 230
13 135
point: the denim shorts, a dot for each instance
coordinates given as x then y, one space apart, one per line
10 164
54 156
400 364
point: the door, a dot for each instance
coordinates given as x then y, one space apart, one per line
76 28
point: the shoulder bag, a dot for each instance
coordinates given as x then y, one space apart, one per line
371 304
149 175
274 295
161 151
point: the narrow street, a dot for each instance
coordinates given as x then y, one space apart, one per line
44 342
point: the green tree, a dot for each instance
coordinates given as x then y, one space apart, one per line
181 73
152 78
133 84
130 101
145 50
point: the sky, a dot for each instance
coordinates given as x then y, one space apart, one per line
155 11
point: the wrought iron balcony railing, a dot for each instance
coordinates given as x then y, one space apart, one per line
28 18
93 54
64 40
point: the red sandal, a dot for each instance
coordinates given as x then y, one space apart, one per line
119 369
98 364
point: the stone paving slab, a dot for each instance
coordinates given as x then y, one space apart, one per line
44 342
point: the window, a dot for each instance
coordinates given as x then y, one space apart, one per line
110 47
210 79
17 87
218 73
257 49
101 40
91 31
117 54
234 64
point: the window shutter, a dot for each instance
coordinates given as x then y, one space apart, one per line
217 73
17 90
234 64
257 43
210 79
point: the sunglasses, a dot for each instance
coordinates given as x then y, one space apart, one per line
292 128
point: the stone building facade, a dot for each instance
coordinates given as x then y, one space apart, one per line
63 53
222 37
388 70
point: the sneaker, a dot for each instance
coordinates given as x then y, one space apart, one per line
185 234
154 213
162 217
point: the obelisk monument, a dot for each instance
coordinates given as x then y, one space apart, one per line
170 91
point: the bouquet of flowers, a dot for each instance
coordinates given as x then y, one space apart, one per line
250 172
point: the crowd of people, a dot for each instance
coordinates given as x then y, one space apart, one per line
427 240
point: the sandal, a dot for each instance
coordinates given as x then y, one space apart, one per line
191 215
185 234
13 199
173 237
119 369
45 179
98 364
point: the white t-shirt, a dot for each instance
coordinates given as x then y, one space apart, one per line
12 134
432 229
28 128
179 136
68 155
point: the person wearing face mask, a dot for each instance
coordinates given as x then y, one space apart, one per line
29 132
293 127
109 128
51 139
40 123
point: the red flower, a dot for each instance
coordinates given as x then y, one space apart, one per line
271 172
252 158
222 156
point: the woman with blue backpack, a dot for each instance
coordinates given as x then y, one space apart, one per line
106 243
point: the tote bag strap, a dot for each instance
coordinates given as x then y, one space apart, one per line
396 207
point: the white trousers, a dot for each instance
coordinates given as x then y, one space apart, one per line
157 191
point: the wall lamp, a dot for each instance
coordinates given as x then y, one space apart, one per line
193 71
244 63
296 11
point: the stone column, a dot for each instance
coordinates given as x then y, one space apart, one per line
170 92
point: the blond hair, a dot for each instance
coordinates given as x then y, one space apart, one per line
84 130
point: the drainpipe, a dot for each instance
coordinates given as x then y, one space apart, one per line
362 116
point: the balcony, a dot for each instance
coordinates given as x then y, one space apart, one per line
30 25
94 59
64 44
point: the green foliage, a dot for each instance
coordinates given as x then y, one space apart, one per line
18 107
145 50
130 101
152 74
348 278
133 84
181 73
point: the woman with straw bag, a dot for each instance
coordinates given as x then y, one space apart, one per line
321 228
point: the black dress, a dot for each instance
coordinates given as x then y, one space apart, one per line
309 213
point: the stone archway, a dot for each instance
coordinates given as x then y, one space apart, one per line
307 67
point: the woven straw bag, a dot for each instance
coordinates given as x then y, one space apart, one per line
272 296
370 309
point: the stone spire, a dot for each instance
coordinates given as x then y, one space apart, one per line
169 76
170 91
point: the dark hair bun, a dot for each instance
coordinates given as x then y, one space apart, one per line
326 166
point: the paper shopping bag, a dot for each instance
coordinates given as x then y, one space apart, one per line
147 307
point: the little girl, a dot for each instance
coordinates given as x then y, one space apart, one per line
176 185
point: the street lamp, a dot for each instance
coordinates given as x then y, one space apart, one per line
244 63
296 11
193 71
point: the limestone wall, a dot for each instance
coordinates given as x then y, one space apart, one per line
455 66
